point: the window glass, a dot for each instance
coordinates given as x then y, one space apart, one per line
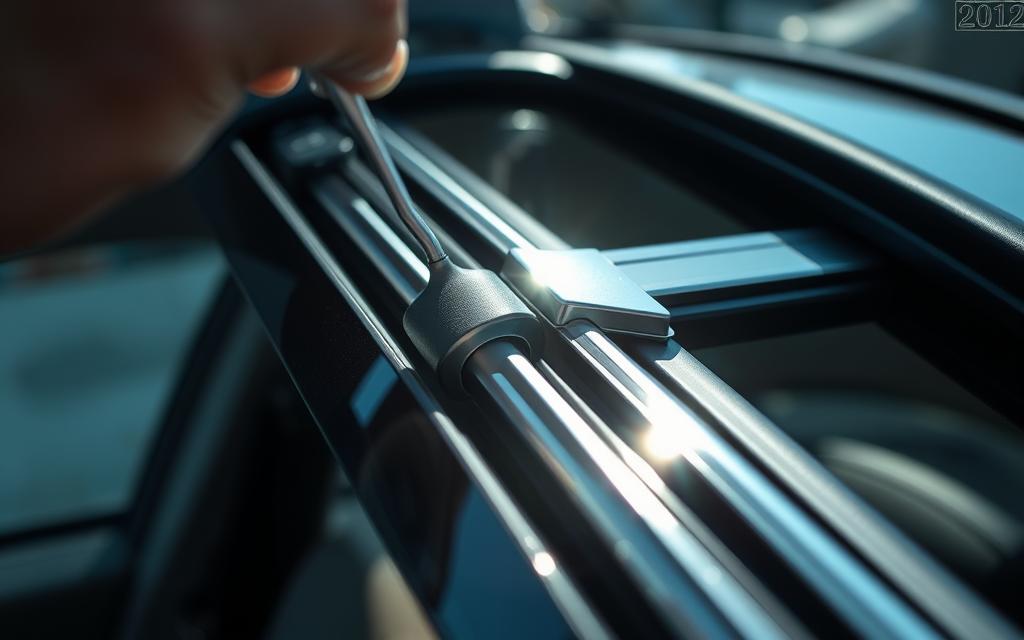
586 190
91 341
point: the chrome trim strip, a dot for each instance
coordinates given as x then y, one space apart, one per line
771 601
866 603
587 464
578 613
407 275
911 569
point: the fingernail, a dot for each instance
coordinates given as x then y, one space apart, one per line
374 76
394 73
275 83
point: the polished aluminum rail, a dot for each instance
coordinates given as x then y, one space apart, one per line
678 572
576 453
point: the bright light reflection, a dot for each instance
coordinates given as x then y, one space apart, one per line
546 63
525 120
664 442
538 19
673 434
543 564
554 271
675 431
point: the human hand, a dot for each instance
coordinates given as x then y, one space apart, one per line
103 98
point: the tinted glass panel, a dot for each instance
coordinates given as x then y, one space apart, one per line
929 455
586 189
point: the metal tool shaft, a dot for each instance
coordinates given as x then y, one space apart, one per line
367 135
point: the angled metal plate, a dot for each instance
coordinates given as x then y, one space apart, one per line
582 284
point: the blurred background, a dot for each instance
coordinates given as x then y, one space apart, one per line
918 33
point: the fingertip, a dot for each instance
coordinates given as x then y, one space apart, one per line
274 84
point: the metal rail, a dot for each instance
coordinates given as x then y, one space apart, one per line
666 558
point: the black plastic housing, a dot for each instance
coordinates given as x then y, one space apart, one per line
460 311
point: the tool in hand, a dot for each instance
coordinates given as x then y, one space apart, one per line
364 127
460 309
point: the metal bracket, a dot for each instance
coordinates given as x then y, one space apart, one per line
582 284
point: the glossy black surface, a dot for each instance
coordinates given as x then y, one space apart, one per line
444 536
